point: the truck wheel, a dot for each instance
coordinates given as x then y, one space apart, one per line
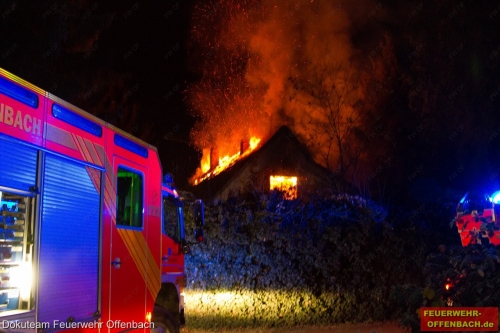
164 322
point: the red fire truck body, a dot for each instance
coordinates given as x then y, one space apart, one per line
90 238
472 228
477 219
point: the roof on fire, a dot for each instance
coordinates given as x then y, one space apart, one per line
283 154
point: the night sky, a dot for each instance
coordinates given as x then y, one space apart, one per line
186 75
124 61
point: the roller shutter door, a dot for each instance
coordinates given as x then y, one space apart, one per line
17 165
69 249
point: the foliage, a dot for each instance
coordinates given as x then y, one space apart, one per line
455 276
323 261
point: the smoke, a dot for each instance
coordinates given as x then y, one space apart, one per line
273 63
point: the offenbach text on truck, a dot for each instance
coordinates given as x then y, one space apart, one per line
90 235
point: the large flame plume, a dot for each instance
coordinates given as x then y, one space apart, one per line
266 64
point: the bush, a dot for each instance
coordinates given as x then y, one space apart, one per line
454 276
324 261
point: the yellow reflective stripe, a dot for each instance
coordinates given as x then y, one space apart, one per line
83 149
21 81
143 259
136 253
154 276
110 196
93 152
77 145
94 177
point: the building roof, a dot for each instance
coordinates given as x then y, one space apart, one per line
283 154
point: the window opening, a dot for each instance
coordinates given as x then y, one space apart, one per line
287 185
129 202
171 218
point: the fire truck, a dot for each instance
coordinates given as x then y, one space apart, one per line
91 234
478 218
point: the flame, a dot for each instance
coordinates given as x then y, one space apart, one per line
225 162
260 65
288 185
254 142
264 64
205 161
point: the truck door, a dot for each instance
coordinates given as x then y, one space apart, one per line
172 256
129 263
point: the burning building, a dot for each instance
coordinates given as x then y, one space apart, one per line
282 163
264 64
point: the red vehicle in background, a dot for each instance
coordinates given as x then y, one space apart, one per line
91 237
478 219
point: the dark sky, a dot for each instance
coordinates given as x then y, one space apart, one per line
430 75
130 56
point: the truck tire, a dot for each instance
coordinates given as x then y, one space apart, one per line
163 321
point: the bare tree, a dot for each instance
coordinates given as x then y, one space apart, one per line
329 92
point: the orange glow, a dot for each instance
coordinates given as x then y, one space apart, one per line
254 142
225 162
447 286
258 73
148 316
287 185
205 161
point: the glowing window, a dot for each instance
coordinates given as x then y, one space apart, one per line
129 199
287 185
